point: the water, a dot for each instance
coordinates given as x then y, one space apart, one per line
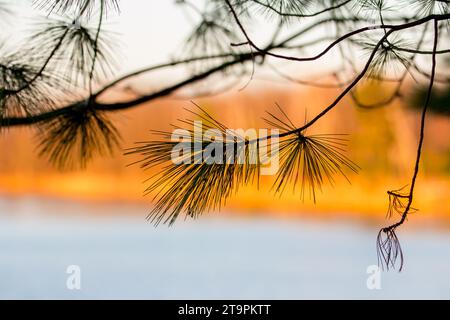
217 258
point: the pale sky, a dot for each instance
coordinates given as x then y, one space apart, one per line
152 32
148 30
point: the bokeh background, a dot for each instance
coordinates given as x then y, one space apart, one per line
260 245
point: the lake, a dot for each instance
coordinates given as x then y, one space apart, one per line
121 256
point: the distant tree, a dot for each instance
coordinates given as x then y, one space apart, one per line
70 52
440 99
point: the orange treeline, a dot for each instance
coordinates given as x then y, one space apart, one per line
382 142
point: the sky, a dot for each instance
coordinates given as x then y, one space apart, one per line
148 31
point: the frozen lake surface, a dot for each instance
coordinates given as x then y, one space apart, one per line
127 258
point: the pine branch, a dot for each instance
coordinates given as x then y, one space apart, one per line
389 250
67 55
205 173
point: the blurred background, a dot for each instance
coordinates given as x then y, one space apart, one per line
260 246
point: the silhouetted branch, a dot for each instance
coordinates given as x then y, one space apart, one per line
389 249
67 52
